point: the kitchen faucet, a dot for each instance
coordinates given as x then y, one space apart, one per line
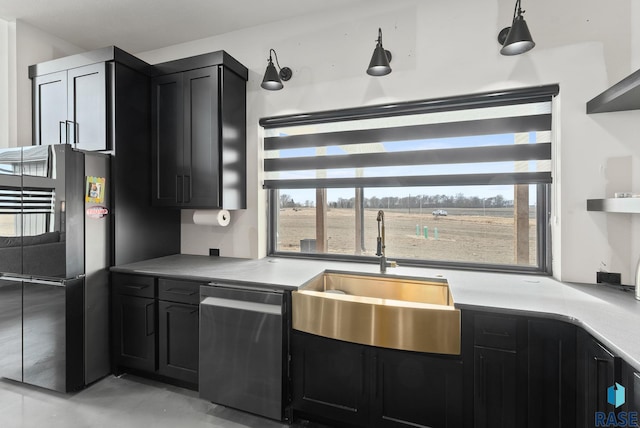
381 246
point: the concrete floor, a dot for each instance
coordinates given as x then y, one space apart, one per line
124 402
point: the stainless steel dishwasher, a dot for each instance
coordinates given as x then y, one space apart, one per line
242 345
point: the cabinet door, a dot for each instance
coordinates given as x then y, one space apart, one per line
50 109
551 374
631 383
201 169
329 378
178 341
412 390
167 137
495 388
87 107
597 372
134 321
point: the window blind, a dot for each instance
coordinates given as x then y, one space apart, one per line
489 138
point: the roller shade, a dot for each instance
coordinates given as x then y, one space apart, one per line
491 138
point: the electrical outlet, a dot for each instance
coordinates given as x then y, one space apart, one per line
612 278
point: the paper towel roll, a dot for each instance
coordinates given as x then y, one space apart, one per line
212 217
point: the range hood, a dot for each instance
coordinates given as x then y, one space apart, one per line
624 95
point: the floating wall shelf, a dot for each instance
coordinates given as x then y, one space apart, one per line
624 95
614 205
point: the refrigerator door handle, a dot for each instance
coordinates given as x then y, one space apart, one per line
42 281
11 278
53 283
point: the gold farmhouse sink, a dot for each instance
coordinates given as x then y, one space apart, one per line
379 310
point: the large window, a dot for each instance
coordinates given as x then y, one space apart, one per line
461 181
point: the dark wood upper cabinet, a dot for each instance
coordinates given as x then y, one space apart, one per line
167 131
199 133
100 101
71 107
50 108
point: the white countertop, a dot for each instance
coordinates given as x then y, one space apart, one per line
610 314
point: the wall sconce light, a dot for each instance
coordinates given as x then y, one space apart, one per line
272 80
517 38
379 65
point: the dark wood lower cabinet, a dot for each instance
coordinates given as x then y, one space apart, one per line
523 370
551 372
597 371
416 390
178 341
514 371
357 385
155 327
134 332
631 382
496 390
329 378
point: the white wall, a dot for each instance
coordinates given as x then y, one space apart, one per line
635 35
445 48
7 62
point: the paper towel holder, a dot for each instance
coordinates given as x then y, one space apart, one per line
217 218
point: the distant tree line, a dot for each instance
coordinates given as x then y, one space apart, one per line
419 201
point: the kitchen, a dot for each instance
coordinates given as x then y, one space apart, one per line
601 49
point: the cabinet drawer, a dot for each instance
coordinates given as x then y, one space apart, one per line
133 285
179 291
495 332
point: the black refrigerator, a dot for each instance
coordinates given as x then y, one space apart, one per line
55 252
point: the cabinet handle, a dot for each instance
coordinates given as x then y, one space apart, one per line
76 133
183 309
495 333
561 383
149 321
179 188
363 361
187 193
73 125
483 385
181 291
136 287
62 125
375 376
